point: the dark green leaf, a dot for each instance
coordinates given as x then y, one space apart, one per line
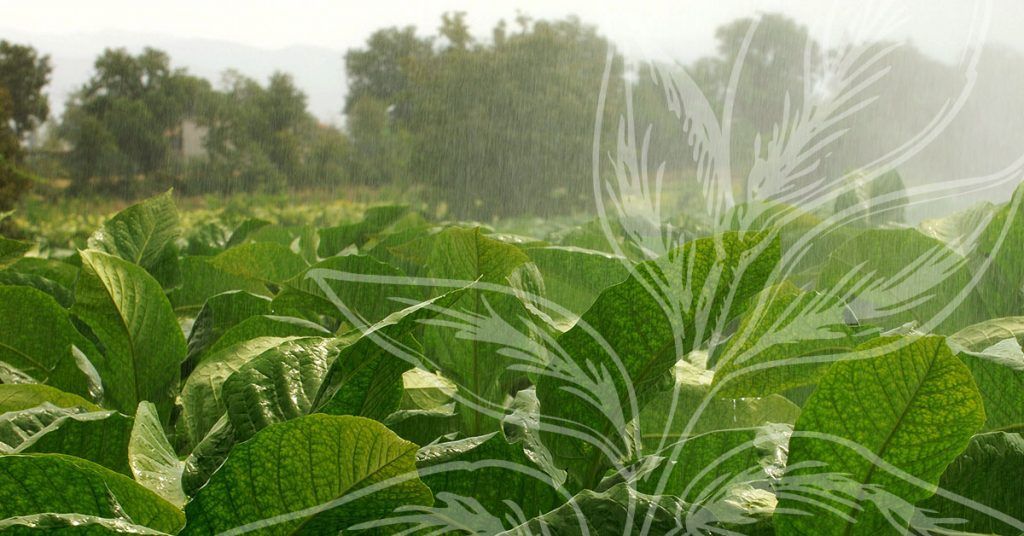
294 477
55 483
142 343
37 339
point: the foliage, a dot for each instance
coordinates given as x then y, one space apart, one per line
118 123
23 106
409 377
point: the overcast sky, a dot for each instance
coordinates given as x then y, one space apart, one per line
74 30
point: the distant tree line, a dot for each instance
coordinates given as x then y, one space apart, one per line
482 127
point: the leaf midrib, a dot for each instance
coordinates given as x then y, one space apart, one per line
884 447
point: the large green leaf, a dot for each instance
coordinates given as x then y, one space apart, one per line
301 239
54 277
302 476
16 397
63 273
782 342
142 344
267 326
366 377
699 465
12 250
619 510
201 280
219 313
467 339
956 230
334 239
1000 250
907 406
894 276
55 483
201 397
724 476
999 373
470 468
139 233
688 406
151 458
626 344
98 436
989 473
61 294
207 456
277 385
38 337
265 262
303 297
574 277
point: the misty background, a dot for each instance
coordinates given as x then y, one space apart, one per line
493 115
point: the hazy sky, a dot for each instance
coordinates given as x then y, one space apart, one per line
75 31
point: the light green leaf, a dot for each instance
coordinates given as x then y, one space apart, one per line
1000 379
37 339
202 280
98 436
55 483
909 404
151 458
425 390
982 335
720 413
782 325
265 262
72 524
574 277
696 282
267 326
988 472
301 476
16 397
140 233
142 343
12 250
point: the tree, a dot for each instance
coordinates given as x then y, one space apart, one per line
23 75
381 70
381 148
258 136
120 124
23 106
508 127
773 71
